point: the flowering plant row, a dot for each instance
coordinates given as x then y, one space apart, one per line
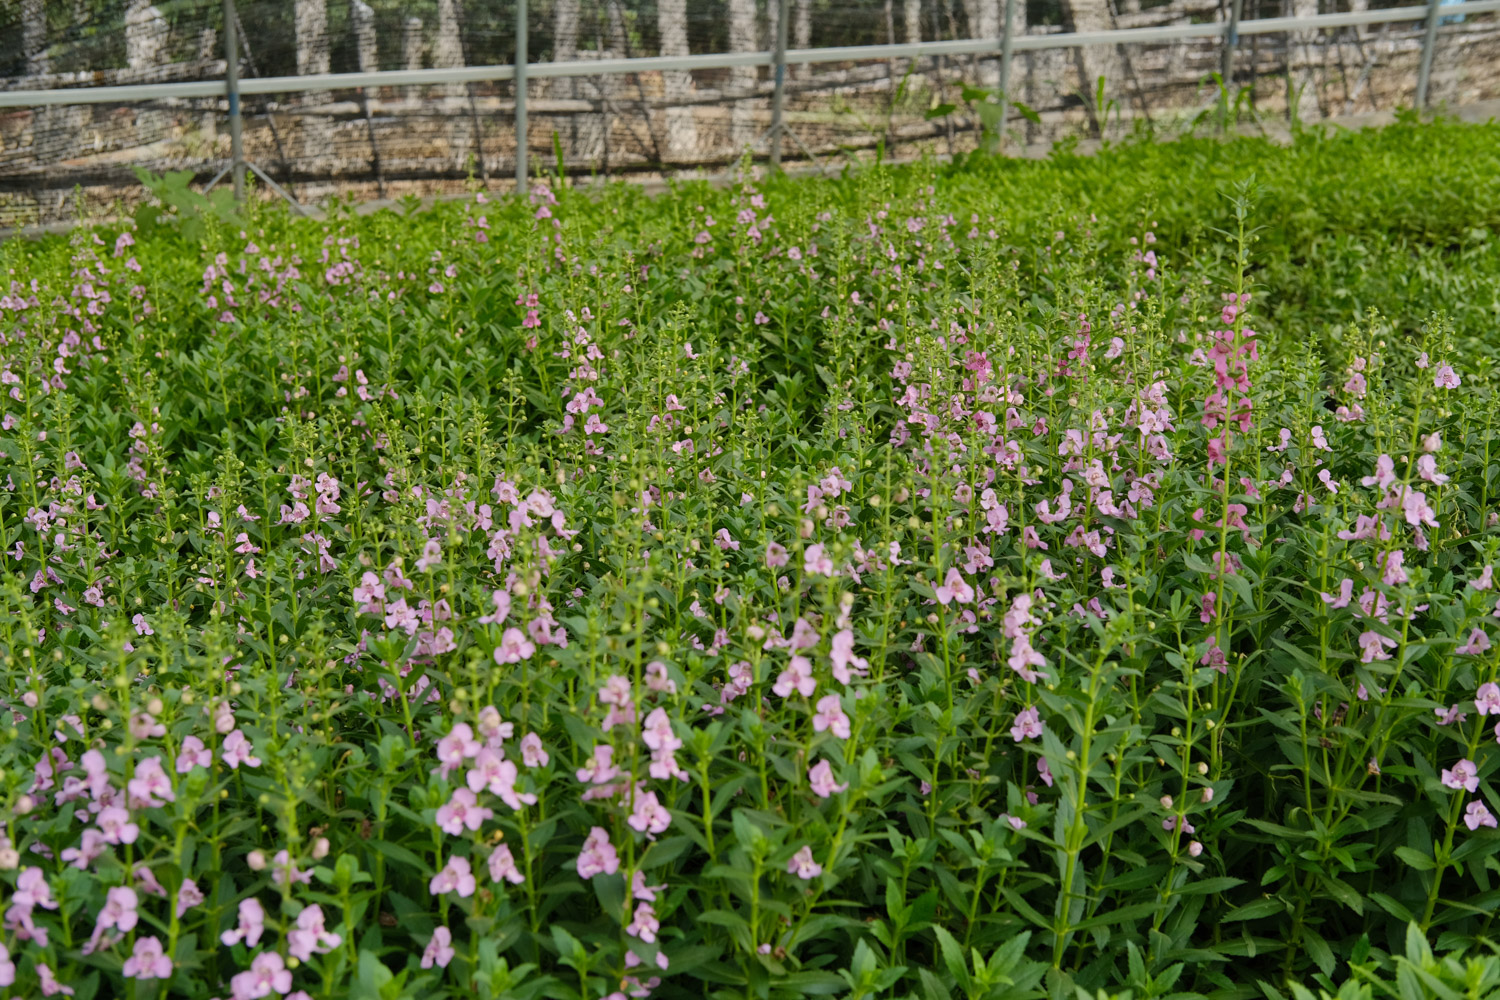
797 589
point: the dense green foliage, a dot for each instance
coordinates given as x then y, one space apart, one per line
990 580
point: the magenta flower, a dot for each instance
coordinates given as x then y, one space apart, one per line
1464 775
148 961
830 716
1477 814
802 864
1028 725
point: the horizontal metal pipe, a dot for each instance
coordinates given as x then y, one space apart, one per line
608 67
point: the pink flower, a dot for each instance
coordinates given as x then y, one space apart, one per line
1477 814
776 555
114 824
532 753
193 754
1446 378
1464 775
188 896
1487 699
1023 657
455 748
954 588
1373 646
50 985
7 967
252 924
237 750
514 647
503 866
150 787
802 864
645 925
1477 644
267 974
311 936
821 780
148 961
830 716
815 562
463 812
455 876
649 816
599 769
845 663
285 872
440 950
119 913
796 677
1028 725
598 856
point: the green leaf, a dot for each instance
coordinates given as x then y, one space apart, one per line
940 111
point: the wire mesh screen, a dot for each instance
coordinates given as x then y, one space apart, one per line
61 161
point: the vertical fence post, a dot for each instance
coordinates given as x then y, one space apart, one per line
232 91
1429 43
778 96
521 59
1006 44
1231 39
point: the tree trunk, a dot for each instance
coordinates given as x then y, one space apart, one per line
681 129
802 34
742 38
1093 61
312 37
1302 69
984 23
34 36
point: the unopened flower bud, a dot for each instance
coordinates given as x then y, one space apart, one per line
256 860
1166 801
320 849
1195 849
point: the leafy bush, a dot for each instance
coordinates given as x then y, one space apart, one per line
993 581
